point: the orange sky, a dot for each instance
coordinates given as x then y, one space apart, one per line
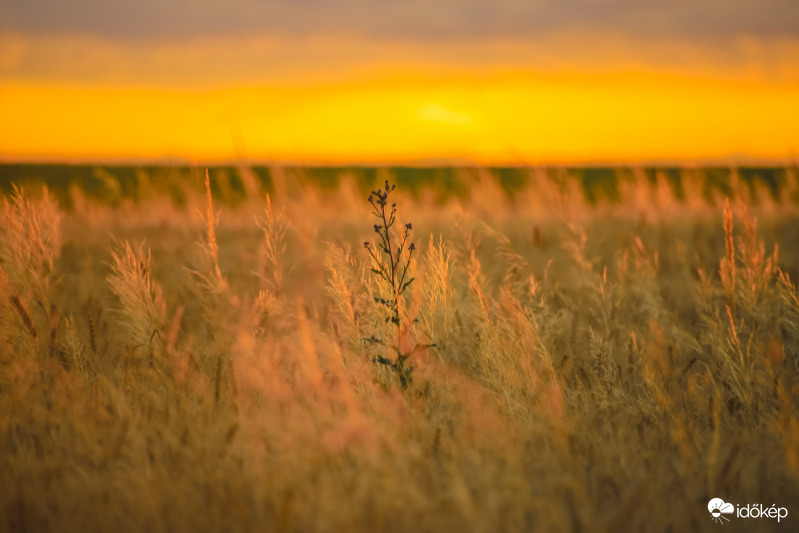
555 97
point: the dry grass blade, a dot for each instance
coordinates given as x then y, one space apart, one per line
274 228
210 245
24 316
727 269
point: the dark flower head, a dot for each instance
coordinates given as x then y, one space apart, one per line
408 226
394 205
412 247
365 244
377 228
387 185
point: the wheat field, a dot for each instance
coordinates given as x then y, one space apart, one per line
202 357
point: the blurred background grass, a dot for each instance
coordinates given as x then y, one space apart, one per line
113 184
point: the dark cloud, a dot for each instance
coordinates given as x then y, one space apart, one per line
415 19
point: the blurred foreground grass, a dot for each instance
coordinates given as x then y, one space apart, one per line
614 349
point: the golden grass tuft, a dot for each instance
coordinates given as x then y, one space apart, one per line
141 313
30 240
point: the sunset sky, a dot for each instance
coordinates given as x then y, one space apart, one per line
413 81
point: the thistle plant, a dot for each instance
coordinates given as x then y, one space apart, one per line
391 258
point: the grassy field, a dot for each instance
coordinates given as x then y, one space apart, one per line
601 352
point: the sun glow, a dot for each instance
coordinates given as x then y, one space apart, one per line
435 112
89 99
507 118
